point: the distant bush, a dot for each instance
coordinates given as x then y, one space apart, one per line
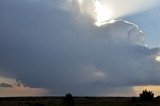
68 100
157 99
146 96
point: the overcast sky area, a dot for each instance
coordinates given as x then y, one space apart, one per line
52 47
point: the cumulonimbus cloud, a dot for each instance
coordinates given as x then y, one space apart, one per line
48 47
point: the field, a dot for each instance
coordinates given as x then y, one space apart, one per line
79 101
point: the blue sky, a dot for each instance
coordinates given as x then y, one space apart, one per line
149 23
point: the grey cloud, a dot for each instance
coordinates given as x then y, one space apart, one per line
6 85
46 47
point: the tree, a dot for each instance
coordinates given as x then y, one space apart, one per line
68 100
146 96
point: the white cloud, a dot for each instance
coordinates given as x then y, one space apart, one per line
102 11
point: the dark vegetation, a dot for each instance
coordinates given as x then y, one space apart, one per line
68 100
146 98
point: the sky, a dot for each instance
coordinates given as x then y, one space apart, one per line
85 47
146 21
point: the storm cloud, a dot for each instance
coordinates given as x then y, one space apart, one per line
49 47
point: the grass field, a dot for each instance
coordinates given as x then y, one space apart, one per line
79 101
